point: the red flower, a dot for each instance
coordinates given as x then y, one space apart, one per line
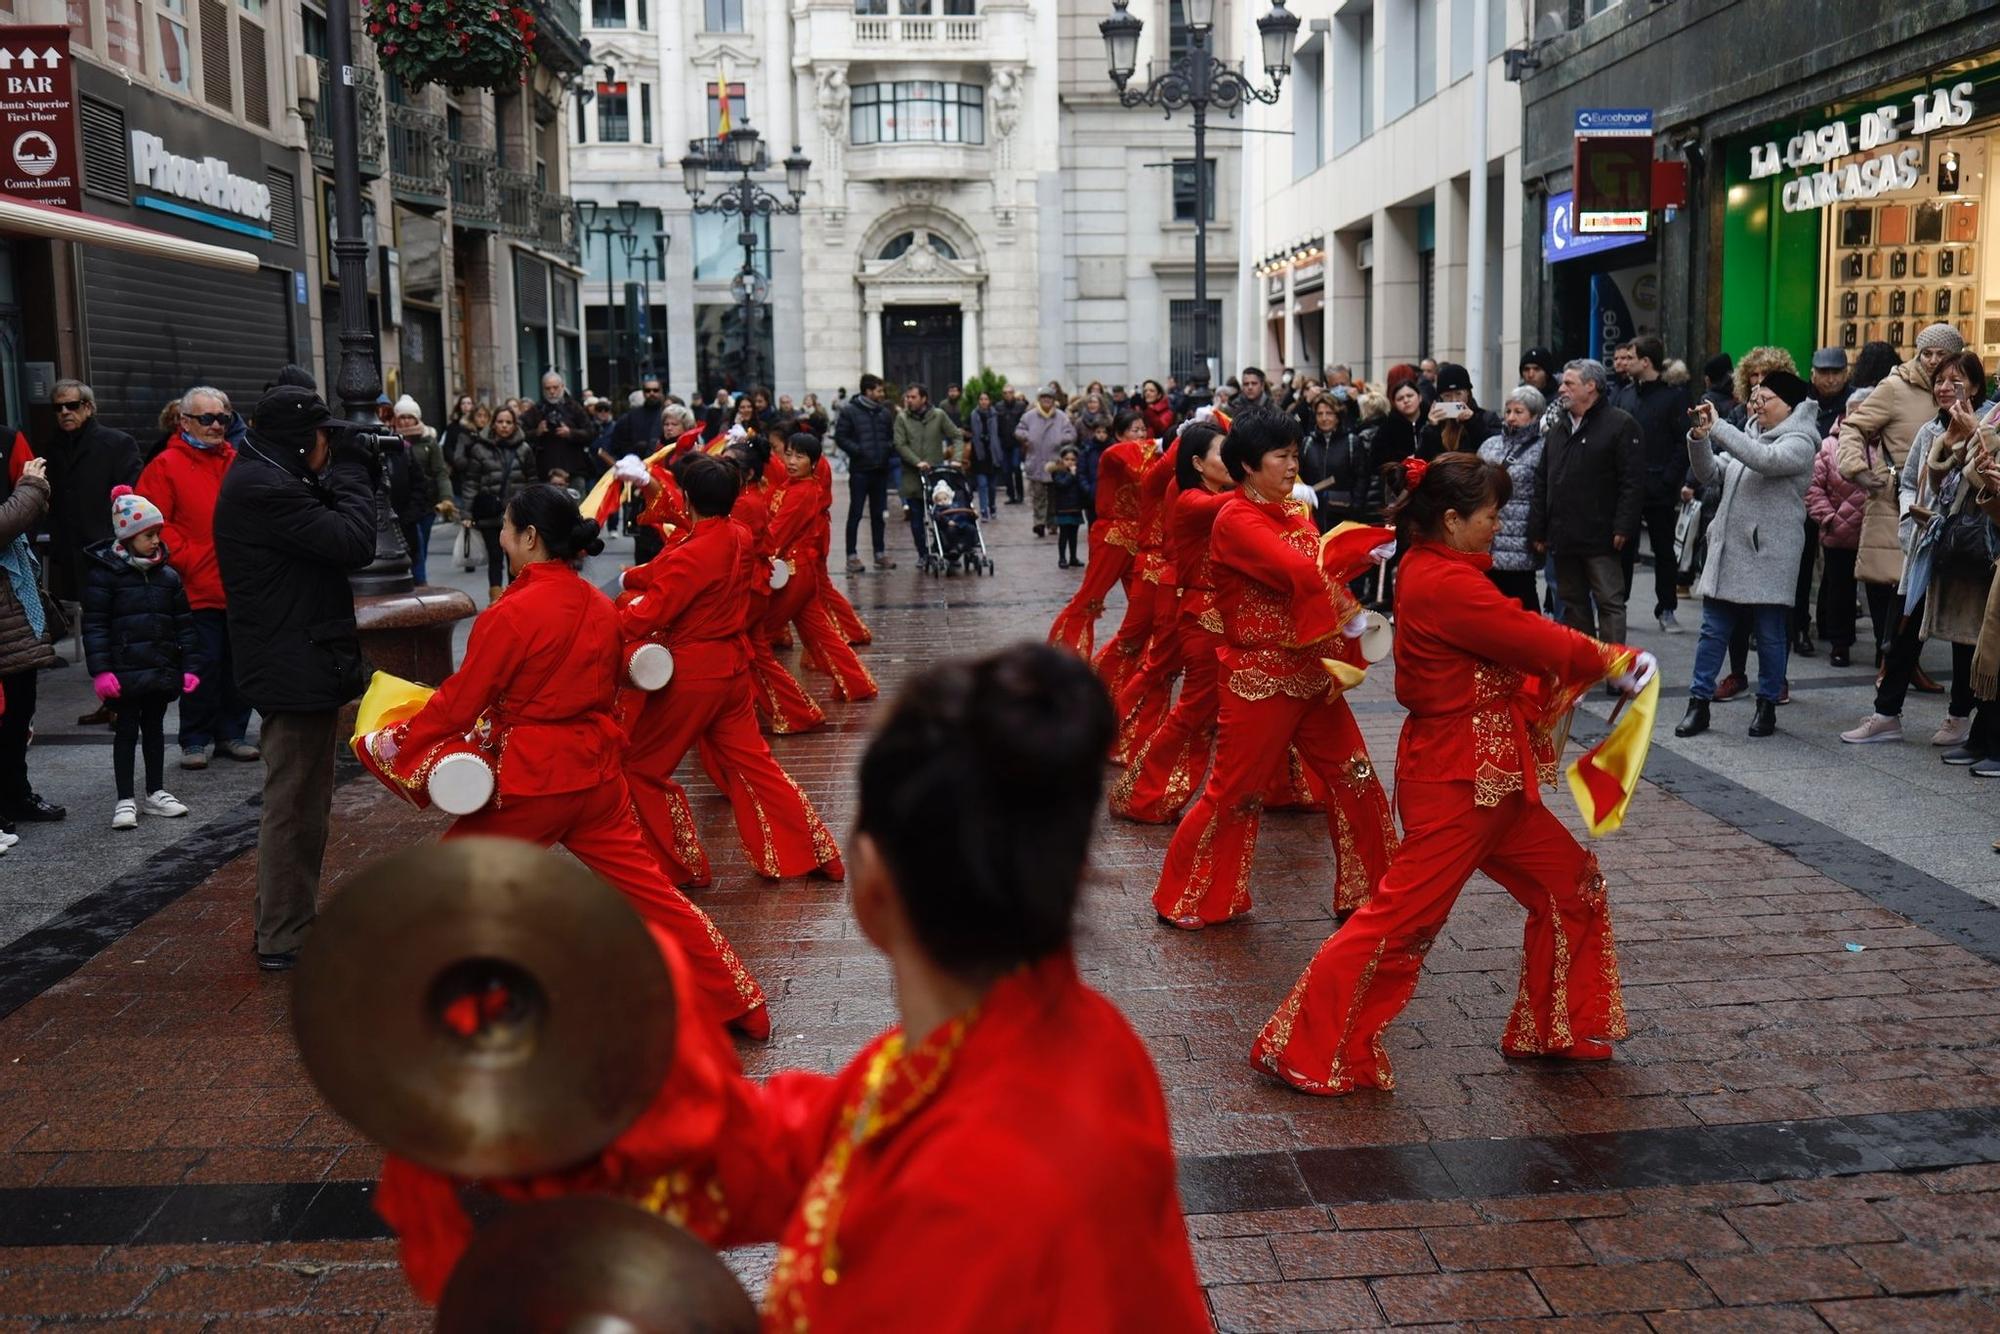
389 49
415 8
374 29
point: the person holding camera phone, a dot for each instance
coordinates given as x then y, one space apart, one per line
296 512
1455 421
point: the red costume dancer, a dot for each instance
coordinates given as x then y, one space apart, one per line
783 706
1114 539
694 602
852 628
799 534
1485 682
542 667
1001 1159
1149 592
1281 615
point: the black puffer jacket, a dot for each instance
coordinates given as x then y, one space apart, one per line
136 625
495 470
285 540
866 434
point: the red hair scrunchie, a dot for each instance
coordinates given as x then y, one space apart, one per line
1413 472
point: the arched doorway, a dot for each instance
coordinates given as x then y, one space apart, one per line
923 345
920 303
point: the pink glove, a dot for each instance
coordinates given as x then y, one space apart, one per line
105 684
189 683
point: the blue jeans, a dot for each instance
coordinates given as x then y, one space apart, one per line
420 555
1770 623
870 488
984 483
214 714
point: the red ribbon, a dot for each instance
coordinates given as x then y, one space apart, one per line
1413 472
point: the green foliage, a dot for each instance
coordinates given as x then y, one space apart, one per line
459 43
988 381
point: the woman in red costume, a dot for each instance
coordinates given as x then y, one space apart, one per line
1281 616
1149 592
783 706
543 666
1114 537
694 600
799 534
1000 1160
1485 682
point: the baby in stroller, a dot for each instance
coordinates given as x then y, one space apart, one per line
954 523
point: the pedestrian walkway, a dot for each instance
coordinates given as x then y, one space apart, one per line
1803 1131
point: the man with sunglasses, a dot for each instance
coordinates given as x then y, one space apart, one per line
86 459
184 480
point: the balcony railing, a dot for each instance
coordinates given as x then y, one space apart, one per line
559 37
475 202
557 233
922 31
417 167
516 191
721 160
534 214
368 106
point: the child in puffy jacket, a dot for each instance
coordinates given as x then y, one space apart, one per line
139 643
1836 506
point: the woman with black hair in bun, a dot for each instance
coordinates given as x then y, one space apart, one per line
998 1160
542 671
1486 683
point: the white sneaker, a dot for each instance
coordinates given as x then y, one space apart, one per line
164 803
1874 728
125 815
1954 732
8 840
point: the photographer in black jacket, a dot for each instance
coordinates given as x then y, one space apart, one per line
1661 410
296 513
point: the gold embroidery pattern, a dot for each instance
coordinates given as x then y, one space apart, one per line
1202 868
825 851
1592 890
1255 683
1209 619
676 1198
765 860
1337 1076
687 841
1277 1034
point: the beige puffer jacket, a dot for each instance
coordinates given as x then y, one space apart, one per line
21 649
1875 440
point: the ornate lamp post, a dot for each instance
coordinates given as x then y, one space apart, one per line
1198 80
625 228
745 199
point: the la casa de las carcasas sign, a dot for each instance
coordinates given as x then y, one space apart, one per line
1945 109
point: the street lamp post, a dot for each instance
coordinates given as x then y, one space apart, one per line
747 200
1198 80
624 227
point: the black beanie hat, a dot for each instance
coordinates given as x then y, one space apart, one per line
1787 386
1718 367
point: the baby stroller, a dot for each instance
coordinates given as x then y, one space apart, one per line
952 523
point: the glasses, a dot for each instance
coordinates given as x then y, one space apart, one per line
1762 400
208 418
70 405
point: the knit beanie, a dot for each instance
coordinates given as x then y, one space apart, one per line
1718 368
133 514
1788 386
1542 357
407 407
1940 336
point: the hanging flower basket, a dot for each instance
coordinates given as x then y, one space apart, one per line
458 43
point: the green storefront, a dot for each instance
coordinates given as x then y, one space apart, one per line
1867 220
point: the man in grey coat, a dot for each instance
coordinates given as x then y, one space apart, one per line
1044 430
1755 539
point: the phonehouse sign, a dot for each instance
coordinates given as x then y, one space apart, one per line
1818 152
1613 171
38 157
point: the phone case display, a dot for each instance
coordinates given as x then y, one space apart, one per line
1892 226
1947 260
1920 263
1899 302
1928 228
1962 220
1896 332
1899 264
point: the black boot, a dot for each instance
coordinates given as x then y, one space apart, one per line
1696 721
1766 721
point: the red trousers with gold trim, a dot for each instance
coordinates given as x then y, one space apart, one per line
1121 657
798 604
1327 1036
782 704
780 829
600 827
1075 626
1148 692
1207 873
852 628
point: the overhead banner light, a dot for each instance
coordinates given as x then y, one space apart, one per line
1613 171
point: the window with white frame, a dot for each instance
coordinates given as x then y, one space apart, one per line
722 15
917 111
175 62
614 113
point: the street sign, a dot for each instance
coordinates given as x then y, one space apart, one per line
1613 170
38 153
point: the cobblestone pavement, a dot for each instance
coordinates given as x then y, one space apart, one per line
1802 1133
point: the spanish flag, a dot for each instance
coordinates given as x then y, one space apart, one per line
390 700
1604 777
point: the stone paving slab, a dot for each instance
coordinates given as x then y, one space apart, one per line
1798 1135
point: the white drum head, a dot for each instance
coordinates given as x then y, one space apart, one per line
1377 639
650 666
781 574
461 783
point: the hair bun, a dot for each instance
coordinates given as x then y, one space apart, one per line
584 539
1039 711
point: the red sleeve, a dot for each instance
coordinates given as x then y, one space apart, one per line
156 483
792 519
1486 623
17 458
493 654
667 504
675 586
1251 547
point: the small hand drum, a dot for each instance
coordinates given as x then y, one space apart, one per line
781 574
1377 639
456 777
649 666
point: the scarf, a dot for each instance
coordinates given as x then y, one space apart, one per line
24 574
1517 439
138 562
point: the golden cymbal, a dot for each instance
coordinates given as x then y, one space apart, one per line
591 1263
484 1008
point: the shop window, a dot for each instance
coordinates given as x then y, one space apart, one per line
718 344
722 15
718 251
738 109
1308 108
1426 52
124 38
614 114
1185 191
176 59
1180 40
917 111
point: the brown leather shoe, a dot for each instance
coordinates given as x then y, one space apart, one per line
1921 682
1730 686
105 714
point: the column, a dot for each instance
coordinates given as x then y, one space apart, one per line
968 330
1451 200
1396 288
871 336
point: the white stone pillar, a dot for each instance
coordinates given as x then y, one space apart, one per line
871 336
968 321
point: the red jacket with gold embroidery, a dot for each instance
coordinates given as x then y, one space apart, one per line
973 1180
1485 680
800 531
1280 614
1188 531
1121 474
694 600
1156 498
542 666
